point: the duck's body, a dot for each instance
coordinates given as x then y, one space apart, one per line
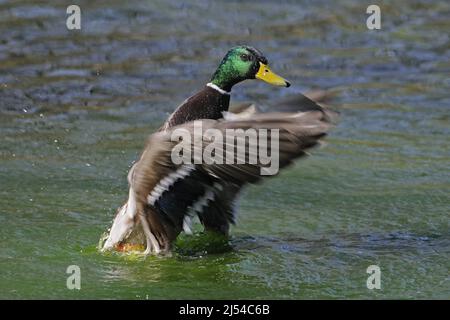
164 196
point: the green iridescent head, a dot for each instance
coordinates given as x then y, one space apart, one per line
241 63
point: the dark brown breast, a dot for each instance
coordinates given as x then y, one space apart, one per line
206 104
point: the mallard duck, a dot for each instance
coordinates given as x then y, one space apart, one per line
164 196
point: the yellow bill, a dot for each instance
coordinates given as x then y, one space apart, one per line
265 74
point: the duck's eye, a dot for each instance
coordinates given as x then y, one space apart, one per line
245 57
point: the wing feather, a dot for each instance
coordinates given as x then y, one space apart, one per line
210 190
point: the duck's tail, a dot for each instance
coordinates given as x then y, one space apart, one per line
124 223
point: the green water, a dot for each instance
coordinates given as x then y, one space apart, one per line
76 107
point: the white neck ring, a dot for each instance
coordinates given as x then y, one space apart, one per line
215 87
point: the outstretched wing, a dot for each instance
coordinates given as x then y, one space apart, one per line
178 192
